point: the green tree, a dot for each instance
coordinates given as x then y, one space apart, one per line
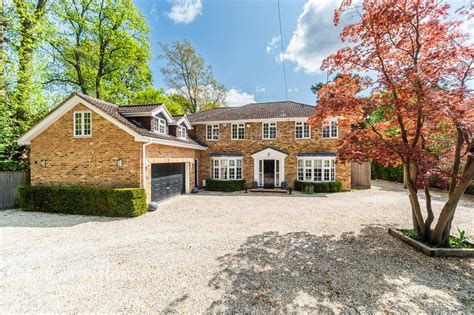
151 95
101 48
187 74
21 103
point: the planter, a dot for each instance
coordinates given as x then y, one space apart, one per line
432 251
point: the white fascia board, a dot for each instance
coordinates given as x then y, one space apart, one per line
165 112
63 109
185 120
296 119
173 143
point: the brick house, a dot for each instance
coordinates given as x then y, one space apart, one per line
86 141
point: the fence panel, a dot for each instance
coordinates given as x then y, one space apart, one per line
360 175
9 182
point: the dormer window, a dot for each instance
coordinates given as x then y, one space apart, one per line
160 125
181 132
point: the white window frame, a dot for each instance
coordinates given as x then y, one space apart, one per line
224 165
302 125
332 126
159 122
270 125
82 129
305 164
239 127
214 135
181 132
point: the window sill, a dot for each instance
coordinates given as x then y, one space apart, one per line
270 139
81 137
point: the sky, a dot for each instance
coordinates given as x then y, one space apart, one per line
241 40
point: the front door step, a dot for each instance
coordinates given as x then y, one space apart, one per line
273 190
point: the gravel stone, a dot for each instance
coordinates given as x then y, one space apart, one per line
234 253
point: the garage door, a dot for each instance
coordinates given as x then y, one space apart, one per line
167 180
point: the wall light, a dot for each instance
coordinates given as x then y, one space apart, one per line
44 163
119 162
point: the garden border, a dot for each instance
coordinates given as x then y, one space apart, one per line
432 251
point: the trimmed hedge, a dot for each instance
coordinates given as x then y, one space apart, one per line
390 173
111 202
225 185
327 187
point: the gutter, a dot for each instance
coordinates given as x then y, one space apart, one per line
144 164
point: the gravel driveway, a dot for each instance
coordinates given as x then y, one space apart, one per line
236 252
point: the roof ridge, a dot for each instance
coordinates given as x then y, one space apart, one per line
89 98
150 104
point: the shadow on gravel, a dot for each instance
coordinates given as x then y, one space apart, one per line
20 218
369 272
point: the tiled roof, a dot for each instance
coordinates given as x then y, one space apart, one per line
114 111
127 109
255 111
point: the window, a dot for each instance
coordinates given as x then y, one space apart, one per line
82 124
225 169
238 131
302 130
181 132
317 169
160 125
212 132
269 131
330 129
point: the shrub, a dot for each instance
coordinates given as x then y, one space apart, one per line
390 173
318 187
113 202
225 185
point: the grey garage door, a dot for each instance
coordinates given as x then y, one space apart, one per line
167 180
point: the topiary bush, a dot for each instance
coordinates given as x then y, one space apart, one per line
327 187
225 185
111 202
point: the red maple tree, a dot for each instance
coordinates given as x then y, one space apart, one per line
402 92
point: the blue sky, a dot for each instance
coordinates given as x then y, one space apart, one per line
240 39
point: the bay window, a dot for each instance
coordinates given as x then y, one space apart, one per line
226 168
302 130
319 169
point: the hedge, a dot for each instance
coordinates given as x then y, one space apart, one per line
390 173
112 202
225 185
327 187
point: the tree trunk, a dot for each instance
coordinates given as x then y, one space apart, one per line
418 222
441 232
28 38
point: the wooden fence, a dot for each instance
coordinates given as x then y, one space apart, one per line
361 175
9 182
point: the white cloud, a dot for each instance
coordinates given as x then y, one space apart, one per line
315 36
260 89
238 98
272 45
290 90
184 11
